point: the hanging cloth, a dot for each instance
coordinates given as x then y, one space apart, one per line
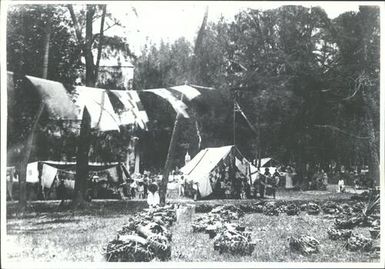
133 112
48 175
98 104
177 104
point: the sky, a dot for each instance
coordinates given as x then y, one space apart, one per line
169 20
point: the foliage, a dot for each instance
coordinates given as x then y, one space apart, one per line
310 85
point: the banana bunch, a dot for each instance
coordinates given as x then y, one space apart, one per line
160 246
228 212
292 210
358 207
337 234
303 207
304 244
345 209
201 223
348 222
359 242
144 237
234 242
329 207
271 209
313 209
128 249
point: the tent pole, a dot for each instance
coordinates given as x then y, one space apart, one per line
234 119
170 154
24 162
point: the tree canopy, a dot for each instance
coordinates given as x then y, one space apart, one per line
308 84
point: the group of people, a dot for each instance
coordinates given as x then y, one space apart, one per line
267 183
319 180
142 187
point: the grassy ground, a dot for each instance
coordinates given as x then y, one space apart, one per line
46 234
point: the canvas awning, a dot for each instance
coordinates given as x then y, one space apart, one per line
55 97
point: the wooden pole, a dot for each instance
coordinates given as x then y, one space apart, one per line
47 39
169 159
22 166
234 114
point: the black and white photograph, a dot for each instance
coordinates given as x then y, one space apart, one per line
192 134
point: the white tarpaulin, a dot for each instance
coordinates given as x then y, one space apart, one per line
187 91
177 104
48 175
55 97
133 112
32 173
98 104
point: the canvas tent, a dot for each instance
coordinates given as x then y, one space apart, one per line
208 166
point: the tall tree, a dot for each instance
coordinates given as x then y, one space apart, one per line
31 31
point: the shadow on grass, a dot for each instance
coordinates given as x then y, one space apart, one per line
100 208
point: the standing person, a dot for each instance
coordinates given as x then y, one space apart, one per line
145 185
262 183
133 187
256 184
238 185
182 185
228 190
243 189
289 178
223 189
323 180
195 190
341 185
140 189
153 199
247 189
61 192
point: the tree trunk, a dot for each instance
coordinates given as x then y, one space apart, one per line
374 147
81 177
87 50
101 33
374 160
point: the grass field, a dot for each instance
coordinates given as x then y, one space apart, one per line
44 234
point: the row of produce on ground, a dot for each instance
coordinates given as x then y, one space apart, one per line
220 224
147 235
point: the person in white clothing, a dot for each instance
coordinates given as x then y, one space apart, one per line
341 186
153 199
289 178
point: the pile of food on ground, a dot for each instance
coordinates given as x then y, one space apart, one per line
234 239
145 237
335 234
304 244
214 220
313 209
359 242
359 214
228 236
292 209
